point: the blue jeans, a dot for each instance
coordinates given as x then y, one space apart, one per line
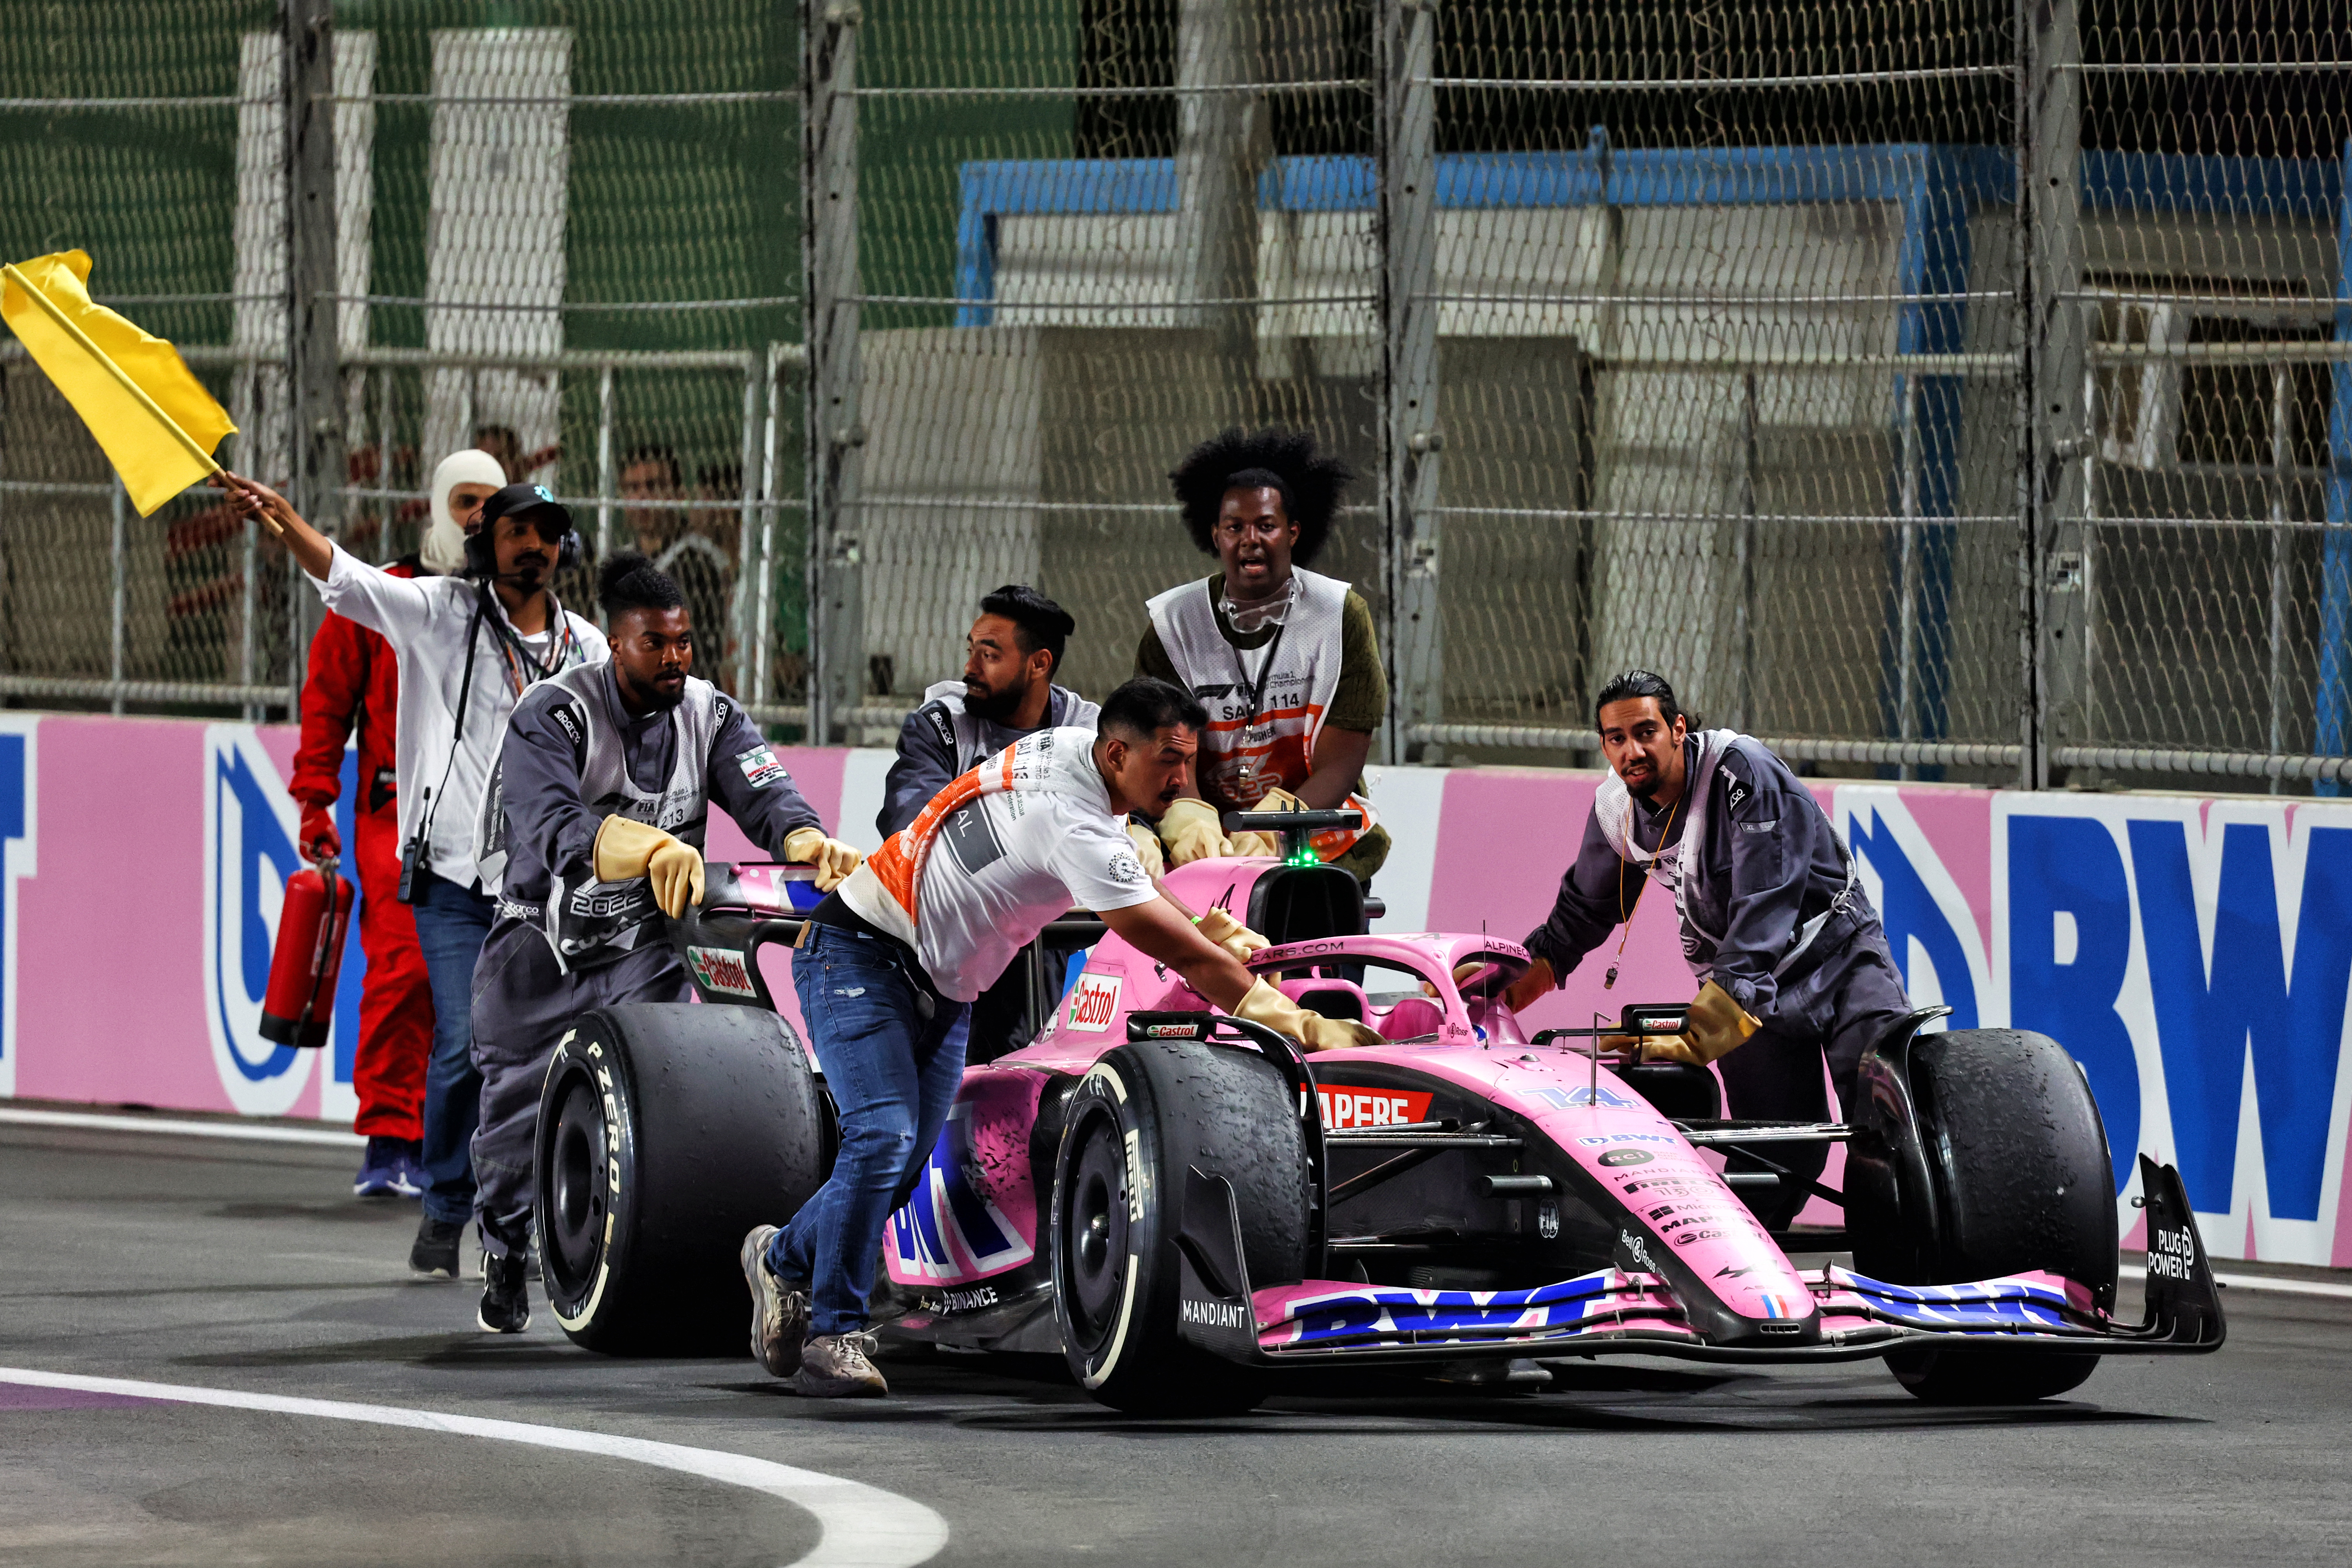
893 1074
451 921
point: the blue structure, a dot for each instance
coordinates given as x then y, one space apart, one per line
1935 187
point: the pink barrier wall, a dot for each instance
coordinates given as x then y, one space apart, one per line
2194 955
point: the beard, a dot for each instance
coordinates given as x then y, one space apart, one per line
657 698
995 707
1646 786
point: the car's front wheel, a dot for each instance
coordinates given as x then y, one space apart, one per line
1143 1118
2018 1159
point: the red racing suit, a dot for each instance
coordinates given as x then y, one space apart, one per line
354 679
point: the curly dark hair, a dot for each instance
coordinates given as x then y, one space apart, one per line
631 582
1283 460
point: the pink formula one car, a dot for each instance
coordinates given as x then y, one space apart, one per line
1184 1205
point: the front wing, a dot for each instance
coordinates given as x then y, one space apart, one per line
1845 1316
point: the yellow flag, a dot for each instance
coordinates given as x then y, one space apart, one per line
155 421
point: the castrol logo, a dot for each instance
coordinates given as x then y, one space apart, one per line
721 969
1094 1003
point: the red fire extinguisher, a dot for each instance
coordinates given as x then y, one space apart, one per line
300 1003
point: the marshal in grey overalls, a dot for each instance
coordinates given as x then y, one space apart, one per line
563 941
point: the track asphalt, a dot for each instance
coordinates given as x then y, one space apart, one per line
221 1265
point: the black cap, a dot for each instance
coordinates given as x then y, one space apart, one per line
522 498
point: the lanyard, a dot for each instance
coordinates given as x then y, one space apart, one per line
518 657
1258 691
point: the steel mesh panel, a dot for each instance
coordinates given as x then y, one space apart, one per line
573 238
1745 341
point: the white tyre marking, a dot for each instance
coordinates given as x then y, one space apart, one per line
862 1526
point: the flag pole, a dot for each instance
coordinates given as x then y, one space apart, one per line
40 296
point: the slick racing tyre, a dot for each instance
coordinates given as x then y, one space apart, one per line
667 1131
1143 1117
2019 1161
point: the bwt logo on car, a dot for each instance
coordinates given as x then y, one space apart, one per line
1346 1105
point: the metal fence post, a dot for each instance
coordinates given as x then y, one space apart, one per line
1216 166
764 583
829 253
2281 463
1411 440
2059 429
319 463
605 471
747 554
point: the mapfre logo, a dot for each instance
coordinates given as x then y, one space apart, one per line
1095 1003
1346 1105
250 828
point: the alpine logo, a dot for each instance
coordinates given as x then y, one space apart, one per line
1094 1003
721 969
951 1229
1213 1314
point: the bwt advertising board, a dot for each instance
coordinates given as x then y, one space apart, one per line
2195 955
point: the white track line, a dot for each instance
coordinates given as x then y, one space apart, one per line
863 1526
2292 1287
260 1133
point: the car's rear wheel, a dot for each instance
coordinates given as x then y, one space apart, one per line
666 1132
1140 1120
2018 1159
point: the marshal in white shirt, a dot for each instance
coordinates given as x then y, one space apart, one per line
425 619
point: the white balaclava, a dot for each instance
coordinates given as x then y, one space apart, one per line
443 550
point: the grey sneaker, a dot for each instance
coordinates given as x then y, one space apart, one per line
780 1313
835 1366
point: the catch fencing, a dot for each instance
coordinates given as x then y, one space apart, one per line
1960 390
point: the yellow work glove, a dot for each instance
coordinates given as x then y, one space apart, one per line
626 849
1189 830
1264 1004
833 860
1220 926
1147 849
1717 1025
